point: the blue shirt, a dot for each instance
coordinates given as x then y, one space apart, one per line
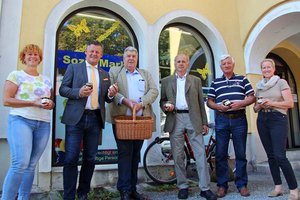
235 89
136 88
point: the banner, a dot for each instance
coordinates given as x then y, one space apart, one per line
65 58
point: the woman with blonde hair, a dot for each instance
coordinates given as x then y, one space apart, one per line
29 96
274 98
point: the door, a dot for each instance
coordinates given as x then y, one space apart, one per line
283 70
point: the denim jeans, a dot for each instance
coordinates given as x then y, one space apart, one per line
88 129
129 154
272 128
237 128
27 140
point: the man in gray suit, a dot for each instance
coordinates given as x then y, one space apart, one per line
136 88
182 101
84 117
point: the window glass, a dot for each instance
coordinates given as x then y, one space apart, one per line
176 39
73 34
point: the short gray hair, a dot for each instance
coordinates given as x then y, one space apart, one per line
131 49
225 56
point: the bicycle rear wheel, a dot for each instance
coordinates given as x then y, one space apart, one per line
158 161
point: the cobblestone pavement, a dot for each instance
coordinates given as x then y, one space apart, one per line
259 185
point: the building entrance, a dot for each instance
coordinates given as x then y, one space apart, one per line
283 70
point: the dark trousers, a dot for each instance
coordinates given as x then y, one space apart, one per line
273 128
237 128
87 130
129 156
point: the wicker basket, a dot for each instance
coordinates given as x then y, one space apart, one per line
133 127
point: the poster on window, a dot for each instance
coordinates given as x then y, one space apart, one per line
107 149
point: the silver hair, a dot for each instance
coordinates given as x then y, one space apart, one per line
131 49
225 56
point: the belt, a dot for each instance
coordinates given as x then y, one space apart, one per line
232 114
268 110
87 111
181 111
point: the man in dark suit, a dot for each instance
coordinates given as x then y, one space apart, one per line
84 117
182 101
136 88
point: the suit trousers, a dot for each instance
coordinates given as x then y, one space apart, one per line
183 123
87 130
129 156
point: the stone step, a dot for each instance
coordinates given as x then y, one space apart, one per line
293 154
264 166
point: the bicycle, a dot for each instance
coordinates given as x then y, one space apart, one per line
158 160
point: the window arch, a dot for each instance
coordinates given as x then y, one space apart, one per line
74 32
181 38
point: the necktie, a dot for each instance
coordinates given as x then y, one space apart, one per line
94 100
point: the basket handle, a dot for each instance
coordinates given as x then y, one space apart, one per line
133 113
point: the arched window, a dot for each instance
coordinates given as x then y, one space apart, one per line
182 38
76 30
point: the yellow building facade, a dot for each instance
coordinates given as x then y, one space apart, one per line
249 30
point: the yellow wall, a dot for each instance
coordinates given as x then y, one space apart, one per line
222 14
249 12
251 115
34 17
232 18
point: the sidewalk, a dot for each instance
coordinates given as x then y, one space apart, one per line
259 185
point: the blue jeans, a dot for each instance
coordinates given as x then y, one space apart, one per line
88 129
129 154
237 128
27 140
272 128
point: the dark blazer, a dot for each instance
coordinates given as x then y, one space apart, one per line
194 99
74 78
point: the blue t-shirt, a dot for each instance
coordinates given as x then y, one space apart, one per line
235 89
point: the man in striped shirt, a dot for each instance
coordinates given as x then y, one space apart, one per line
229 96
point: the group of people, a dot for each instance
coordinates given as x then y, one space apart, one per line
87 87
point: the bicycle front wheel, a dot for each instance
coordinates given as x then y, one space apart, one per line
158 161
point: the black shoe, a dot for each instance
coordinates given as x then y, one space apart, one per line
183 193
208 194
125 195
137 196
82 196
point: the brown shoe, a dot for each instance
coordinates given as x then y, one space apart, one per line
221 192
244 192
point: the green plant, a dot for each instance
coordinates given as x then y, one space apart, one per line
162 188
102 194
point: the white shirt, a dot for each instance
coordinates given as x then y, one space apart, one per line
180 97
